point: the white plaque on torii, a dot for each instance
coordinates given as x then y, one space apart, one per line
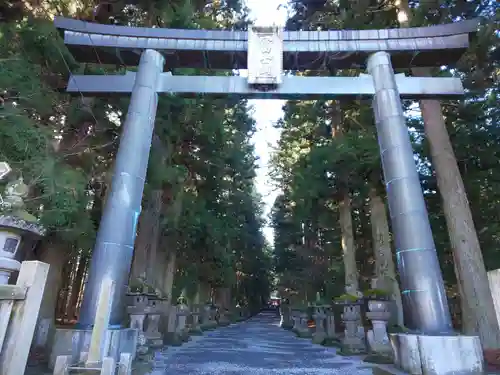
265 55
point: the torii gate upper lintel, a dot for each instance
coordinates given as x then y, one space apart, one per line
269 52
223 49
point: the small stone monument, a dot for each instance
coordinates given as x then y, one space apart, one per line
196 312
205 317
378 340
223 319
183 312
154 310
302 329
330 323
319 318
354 338
137 313
285 316
295 313
170 334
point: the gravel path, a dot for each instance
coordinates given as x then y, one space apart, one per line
255 347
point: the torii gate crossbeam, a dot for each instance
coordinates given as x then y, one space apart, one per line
292 87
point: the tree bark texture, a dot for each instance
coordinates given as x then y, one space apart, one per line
223 297
147 239
348 249
168 281
471 271
385 271
76 287
205 291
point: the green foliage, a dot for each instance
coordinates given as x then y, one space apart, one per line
376 294
30 113
346 297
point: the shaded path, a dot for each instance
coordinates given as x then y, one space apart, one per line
257 346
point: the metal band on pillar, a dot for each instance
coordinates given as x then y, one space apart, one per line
114 246
423 293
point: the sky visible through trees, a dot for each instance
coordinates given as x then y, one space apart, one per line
266 112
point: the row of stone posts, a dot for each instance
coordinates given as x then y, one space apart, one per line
160 323
354 338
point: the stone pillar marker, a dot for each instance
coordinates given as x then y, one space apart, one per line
319 319
354 335
330 323
303 329
196 315
152 334
112 255
137 313
377 338
423 293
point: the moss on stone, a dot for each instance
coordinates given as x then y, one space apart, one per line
332 342
346 351
196 331
142 367
378 358
304 334
173 339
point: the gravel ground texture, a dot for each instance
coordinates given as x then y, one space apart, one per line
257 346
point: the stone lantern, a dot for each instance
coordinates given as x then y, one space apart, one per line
17 226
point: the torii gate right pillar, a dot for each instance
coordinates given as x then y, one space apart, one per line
424 297
433 348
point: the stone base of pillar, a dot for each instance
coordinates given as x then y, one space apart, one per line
196 331
353 345
301 329
304 334
209 325
154 342
318 337
224 318
173 339
185 336
422 354
71 342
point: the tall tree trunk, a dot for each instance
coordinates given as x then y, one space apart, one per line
147 239
168 281
156 206
469 324
345 221
385 271
196 298
470 268
205 291
76 287
223 297
62 301
348 250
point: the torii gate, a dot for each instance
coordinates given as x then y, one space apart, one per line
266 52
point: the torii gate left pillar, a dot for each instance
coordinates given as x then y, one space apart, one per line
114 247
